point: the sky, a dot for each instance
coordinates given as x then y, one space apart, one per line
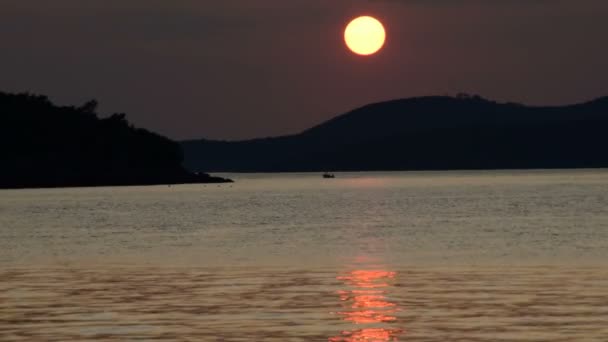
238 69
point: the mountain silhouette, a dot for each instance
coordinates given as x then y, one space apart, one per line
43 145
425 133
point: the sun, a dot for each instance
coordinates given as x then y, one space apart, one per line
365 35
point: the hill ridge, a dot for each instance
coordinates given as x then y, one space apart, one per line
437 132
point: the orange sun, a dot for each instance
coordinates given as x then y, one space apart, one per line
365 35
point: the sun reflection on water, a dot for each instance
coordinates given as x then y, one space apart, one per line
366 304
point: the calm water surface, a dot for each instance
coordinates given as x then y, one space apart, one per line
439 256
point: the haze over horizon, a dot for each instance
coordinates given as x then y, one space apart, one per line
241 69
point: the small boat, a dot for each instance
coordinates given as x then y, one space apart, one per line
329 175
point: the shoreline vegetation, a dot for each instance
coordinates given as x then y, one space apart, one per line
49 146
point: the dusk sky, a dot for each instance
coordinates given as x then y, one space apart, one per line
241 69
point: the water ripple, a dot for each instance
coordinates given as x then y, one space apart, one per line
332 304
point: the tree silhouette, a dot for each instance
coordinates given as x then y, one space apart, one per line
43 145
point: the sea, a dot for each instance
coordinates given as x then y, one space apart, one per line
365 257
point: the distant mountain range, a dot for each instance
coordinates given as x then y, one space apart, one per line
424 133
44 145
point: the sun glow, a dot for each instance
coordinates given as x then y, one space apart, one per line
365 35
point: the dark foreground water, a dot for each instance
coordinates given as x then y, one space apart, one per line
483 256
